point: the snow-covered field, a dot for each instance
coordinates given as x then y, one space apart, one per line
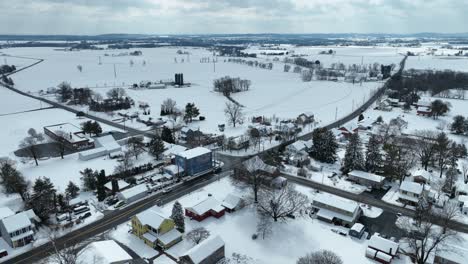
272 92
14 103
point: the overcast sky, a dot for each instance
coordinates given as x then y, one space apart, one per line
231 16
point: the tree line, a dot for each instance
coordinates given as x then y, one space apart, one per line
227 85
251 63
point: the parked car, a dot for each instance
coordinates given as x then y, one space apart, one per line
80 209
3 253
112 201
167 190
120 204
88 214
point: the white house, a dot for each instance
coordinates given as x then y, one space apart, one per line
132 194
17 230
366 178
299 146
331 208
410 192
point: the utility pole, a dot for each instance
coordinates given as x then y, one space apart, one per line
115 72
214 65
100 62
336 113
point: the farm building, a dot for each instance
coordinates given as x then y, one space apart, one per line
366 179
72 136
206 208
195 161
132 194
424 110
155 229
335 209
381 249
208 251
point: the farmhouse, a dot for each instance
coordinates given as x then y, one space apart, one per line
195 161
424 110
208 251
334 209
206 208
304 119
155 229
349 129
410 192
366 179
72 136
381 249
17 230
104 252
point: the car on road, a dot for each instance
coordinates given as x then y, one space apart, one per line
3 253
167 190
217 170
88 214
120 204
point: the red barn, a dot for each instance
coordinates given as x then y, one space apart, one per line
204 209
424 110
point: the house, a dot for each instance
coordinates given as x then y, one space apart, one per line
348 129
173 170
155 229
122 185
457 254
33 217
72 136
299 146
17 230
209 251
366 179
238 143
410 192
393 102
206 208
423 103
78 201
298 159
187 134
256 165
334 209
5 212
195 161
304 119
104 252
381 249
286 128
424 110
132 194
172 149
232 202
384 106
357 230
421 176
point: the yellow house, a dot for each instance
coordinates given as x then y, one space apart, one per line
155 229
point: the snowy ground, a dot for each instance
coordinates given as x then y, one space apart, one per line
14 103
288 242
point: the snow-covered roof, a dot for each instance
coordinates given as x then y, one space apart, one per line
210 203
108 142
412 187
122 185
231 201
136 190
152 217
205 249
423 109
170 236
424 103
173 149
32 215
71 132
357 227
463 198
256 164
382 244
366 175
5 212
163 259
337 202
174 169
300 145
16 222
422 173
456 254
195 152
104 252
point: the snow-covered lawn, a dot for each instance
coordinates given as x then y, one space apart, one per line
121 234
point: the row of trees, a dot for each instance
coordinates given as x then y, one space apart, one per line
5 68
434 82
252 63
228 85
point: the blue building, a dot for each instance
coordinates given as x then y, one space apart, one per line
195 161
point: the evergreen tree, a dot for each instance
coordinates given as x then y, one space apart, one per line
459 125
373 154
354 159
72 190
61 201
178 216
325 146
101 190
12 180
166 135
89 178
96 128
43 198
156 147
442 149
191 111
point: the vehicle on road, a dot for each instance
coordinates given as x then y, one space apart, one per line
120 204
3 253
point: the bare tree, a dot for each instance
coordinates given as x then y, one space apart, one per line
63 254
425 146
320 257
197 235
281 203
264 225
251 174
234 113
135 146
125 164
80 68
61 142
168 106
31 142
423 237
464 170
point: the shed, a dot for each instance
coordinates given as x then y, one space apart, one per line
357 230
209 251
232 202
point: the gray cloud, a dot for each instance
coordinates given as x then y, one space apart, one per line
230 16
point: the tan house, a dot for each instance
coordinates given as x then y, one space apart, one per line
155 229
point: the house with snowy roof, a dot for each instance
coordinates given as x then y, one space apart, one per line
366 178
381 249
334 209
17 230
71 135
209 251
195 161
155 229
206 208
421 176
256 165
232 202
299 146
424 110
410 192
104 252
